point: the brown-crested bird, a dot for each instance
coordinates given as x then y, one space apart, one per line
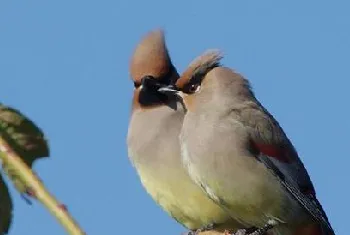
238 153
6 207
153 141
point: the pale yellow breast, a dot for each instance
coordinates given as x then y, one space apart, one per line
154 149
181 198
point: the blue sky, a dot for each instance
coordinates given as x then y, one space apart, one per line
65 65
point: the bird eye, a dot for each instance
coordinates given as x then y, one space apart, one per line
192 88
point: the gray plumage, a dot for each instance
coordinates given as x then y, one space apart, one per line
237 152
153 142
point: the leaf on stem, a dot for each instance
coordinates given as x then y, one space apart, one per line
6 207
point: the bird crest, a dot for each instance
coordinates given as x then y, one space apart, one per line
200 66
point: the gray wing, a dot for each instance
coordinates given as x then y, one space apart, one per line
275 150
308 201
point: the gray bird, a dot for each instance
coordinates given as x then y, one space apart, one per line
153 141
237 152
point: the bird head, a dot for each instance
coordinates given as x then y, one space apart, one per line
151 68
195 78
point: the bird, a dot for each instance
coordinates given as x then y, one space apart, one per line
6 208
238 153
153 141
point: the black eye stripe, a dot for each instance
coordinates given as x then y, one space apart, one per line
166 79
136 85
191 88
193 84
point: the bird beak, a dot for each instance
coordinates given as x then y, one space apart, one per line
170 90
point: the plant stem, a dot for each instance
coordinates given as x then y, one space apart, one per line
26 175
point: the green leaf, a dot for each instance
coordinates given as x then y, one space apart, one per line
24 137
6 207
